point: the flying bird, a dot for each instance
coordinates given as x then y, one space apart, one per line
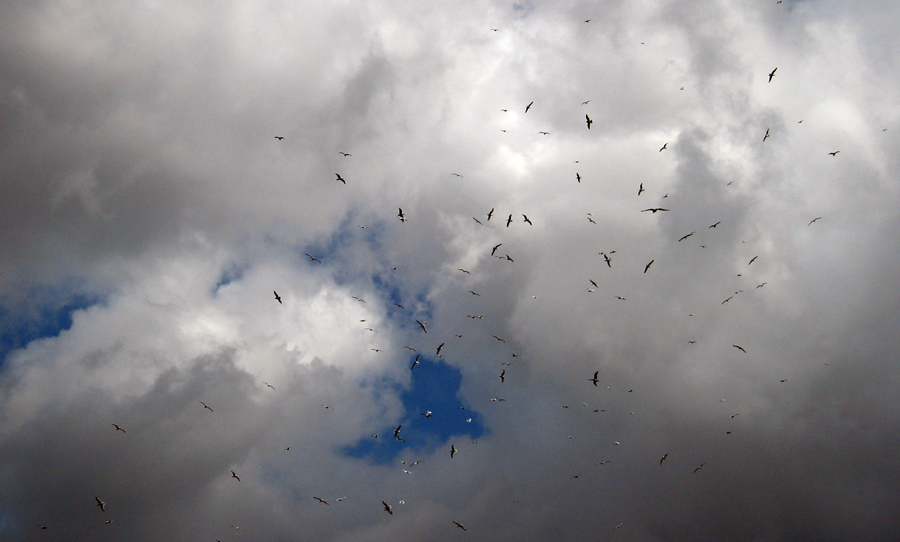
509 221
834 153
664 147
339 178
700 466
739 348
118 428
397 433
772 74
464 271
269 385
439 348
428 414
387 508
526 220
686 236
641 189
422 325
544 133
207 407
101 504
578 176
503 376
235 476
663 458
452 450
753 259
457 175
277 297
490 213
716 224
476 294
607 259
321 500
585 103
647 267
588 121
765 137
476 220
460 525
279 138
498 338
653 210
813 220
498 245
527 107
401 215
313 258
415 362
345 154
596 378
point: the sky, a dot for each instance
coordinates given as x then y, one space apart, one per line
693 336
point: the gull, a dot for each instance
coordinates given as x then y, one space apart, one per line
664 147
663 458
490 213
415 362
640 189
620 298
498 338
474 293
761 284
526 220
359 299
387 508
592 281
376 350
648 265
269 385
653 210
320 499
753 259
410 348
400 214
207 407
591 220
714 225
503 376
339 178
277 297
460 525
509 221
452 451
606 259
527 107
814 220
438 352
772 74
686 236
596 378
422 325
279 138
834 153
765 137
544 133
727 300
464 271
493 250
428 414
313 258
101 504
118 428
588 121
345 154
235 476
397 433
700 466
476 220
406 471
739 348
578 176
457 175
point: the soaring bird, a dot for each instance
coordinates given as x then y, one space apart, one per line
765 137
591 220
739 348
527 107
544 133
235 476
428 414
397 433
439 348
313 258
700 466
663 458
503 376
607 259
509 221
473 292
653 210
686 236
813 220
277 297
479 222
401 215
269 385
526 220
596 378
578 176
339 178
464 271
834 153
101 504
457 175
415 362
664 147
452 450
207 407
490 213
460 525
498 338
640 189
646 267
422 325
753 259
772 74
118 428
585 103
345 154
279 138
387 508
493 250
588 121
320 499
716 224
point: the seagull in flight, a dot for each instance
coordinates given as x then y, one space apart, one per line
578 176
544 133
664 147
588 121
235 476
439 348
460 525
640 189
422 325
401 215
473 292
739 348
415 362
834 153
498 245
452 450
686 236
101 504
526 220
344 154
772 74
607 259
320 499
387 508
464 271
279 138
765 137
269 385
509 221
753 259
813 220
663 458
476 220
653 210
339 178
700 466
527 107
490 213
585 103
397 433
647 267
118 428
207 407
277 297
714 225
503 376
313 258
596 378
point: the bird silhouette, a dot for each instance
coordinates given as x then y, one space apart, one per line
647 267
279 138
320 499
588 121
772 74
503 376
344 154
527 107
663 458
490 213
339 178
596 378
387 508
577 176
653 210
439 348
835 153
460 525
235 476
313 258
493 250
526 220
509 221
118 428
207 407
401 215
664 147
765 137
686 236
397 433
277 297
452 450
640 189
422 325
814 220
739 348
101 504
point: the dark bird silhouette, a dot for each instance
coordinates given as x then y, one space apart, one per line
578 176
772 74
544 133
490 213
641 189
464 271
438 351
664 147
835 153
279 138
476 294
269 385
753 259
607 259
588 121
339 178
320 499
401 215
476 220
716 224
101 504
527 107
813 220
313 258
653 210
503 376
428 414
591 220
345 154
509 221
460 525
457 175
765 137
498 338
118 428
663 458
397 433
387 508
526 220
739 348
452 451
422 325
647 267
700 466
277 297
493 250
415 362
207 407
596 378
235 476
686 236
585 103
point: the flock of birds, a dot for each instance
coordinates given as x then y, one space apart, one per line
594 379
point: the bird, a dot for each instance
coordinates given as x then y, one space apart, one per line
101 504
578 176
235 476
544 133
438 351
761 284
415 362
401 215
277 297
585 103
493 250
118 428
313 258
460 525
526 220
476 294
269 385
686 236
320 499
663 458
664 147
503 376
588 121
834 153
452 450
279 138
428 414
207 407
387 508
594 283
397 433
591 220
344 154
607 259
498 338
476 220
714 225
464 271
596 378
422 325
646 267
490 213
813 220
700 466
339 178
765 137
640 189
527 107
753 259
772 74
457 175
739 348
509 221
653 210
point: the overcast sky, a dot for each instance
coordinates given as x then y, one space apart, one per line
743 330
